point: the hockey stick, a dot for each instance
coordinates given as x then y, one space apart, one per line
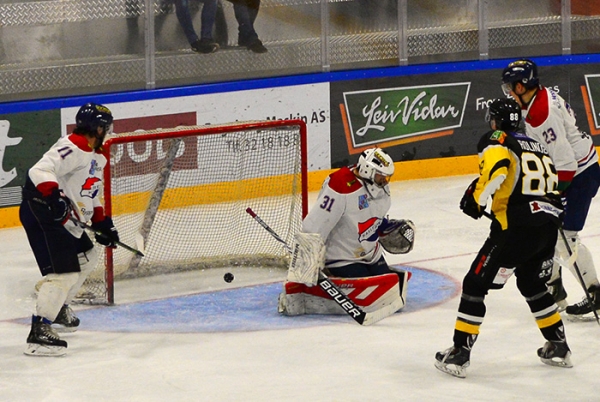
575 266
268 229
99 233
347 304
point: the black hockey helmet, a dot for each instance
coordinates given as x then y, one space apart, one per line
505 112
91 116
522 71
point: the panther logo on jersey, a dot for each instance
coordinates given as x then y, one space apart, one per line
91 187
367 231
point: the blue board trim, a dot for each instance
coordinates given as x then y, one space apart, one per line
432 68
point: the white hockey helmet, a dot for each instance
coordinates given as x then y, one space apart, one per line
373 161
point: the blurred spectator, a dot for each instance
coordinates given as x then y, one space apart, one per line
206 43
245 14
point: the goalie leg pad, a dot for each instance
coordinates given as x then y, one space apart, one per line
403 278
371 294
307 259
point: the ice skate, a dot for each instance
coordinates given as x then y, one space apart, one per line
583 310
559 294
453 361
43 340
555 354
66 321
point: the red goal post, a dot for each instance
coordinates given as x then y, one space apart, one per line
181 195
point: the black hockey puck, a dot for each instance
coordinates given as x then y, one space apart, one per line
228 277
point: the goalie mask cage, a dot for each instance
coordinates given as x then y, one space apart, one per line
180 195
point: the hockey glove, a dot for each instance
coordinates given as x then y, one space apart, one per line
59 205
468 204
558 202
397 236
108 234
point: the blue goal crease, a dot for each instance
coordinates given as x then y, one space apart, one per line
252 308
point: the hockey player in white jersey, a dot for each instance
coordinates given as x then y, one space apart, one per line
66 182
344 232
550 120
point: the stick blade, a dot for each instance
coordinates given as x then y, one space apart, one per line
139 243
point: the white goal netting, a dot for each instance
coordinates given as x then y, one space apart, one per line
180 195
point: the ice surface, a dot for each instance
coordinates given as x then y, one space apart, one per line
193 337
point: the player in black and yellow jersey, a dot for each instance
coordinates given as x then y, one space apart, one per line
517 174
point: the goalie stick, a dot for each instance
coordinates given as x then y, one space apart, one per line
349 307
99 233
575 266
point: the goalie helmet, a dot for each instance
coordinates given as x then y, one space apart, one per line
374 162
522 71
506 113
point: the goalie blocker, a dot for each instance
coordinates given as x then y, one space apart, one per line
301 295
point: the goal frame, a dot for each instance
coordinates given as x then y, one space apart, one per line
195 131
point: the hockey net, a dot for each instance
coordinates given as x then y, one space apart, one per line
180 196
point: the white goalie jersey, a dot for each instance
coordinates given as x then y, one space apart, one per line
348 218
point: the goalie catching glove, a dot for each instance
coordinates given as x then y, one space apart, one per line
397 236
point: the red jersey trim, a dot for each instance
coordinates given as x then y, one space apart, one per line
98 215
539 110
80 142
47 187
566 175
344 181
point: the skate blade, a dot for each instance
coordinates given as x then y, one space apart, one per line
582 317
452 369
559 361
35 349
62 329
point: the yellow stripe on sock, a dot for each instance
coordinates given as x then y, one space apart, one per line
548 321
468 328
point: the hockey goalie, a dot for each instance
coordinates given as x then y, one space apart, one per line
344 236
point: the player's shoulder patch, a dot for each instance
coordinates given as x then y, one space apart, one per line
498 135
539 110
344 181
491 138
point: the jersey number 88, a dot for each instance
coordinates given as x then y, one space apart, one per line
539 175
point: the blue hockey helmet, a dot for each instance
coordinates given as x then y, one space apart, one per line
522 71
91 116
